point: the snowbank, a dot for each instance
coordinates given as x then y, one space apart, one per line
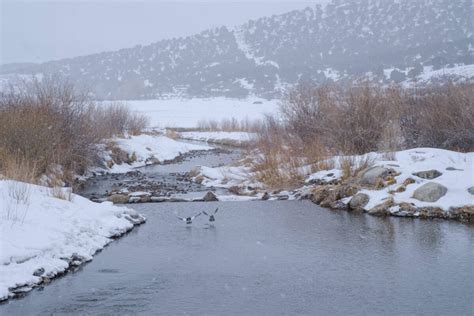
43 236
148 149
237 138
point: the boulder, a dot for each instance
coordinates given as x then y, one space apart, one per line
265 196
382 209
358 201
430 192
471 190
372 175
428 174
210 197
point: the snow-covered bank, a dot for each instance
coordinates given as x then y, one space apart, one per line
43 236
226 138
420 182
147 149
188 112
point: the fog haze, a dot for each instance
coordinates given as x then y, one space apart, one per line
38 31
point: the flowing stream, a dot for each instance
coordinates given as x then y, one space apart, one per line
268 258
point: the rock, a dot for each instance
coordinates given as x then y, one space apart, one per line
265 196
465 213
199 179
283 197
210 197
370 176
430 192
338 205
471 190
428 174
358 201
408 181
118 198
38 272
382 209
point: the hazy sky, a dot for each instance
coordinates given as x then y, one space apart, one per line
37 31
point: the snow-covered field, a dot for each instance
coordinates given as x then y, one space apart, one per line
219 137
41 236
188 112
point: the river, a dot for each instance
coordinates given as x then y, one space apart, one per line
269 258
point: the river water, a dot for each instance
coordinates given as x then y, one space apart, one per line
269 258
265 258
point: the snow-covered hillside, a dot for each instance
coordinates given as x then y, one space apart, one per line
344 39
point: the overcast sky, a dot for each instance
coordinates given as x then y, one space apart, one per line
38 31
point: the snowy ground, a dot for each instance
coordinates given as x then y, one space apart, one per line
150 149
457 175
219 137
188 112
40 234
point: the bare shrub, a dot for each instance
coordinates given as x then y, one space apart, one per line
352 165
231 125
48 123
319 122
441 117
61 193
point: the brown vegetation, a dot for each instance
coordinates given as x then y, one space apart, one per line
323 121
47 126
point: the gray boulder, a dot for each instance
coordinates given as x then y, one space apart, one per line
471 190
430 192
358 201
428 174
370 176
210 197
265 196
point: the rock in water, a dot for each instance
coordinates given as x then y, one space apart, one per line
358 201
265 196
370 176
428 174
210 197
430 192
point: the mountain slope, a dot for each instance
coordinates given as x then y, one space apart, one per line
341 41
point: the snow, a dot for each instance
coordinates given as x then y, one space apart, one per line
188 112
37 230
228 176
151 148
325 175
240 137
422 159
407 162
463 71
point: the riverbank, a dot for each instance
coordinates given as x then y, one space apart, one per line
420 182
46 232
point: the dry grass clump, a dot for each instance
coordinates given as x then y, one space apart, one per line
231 125
48 123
